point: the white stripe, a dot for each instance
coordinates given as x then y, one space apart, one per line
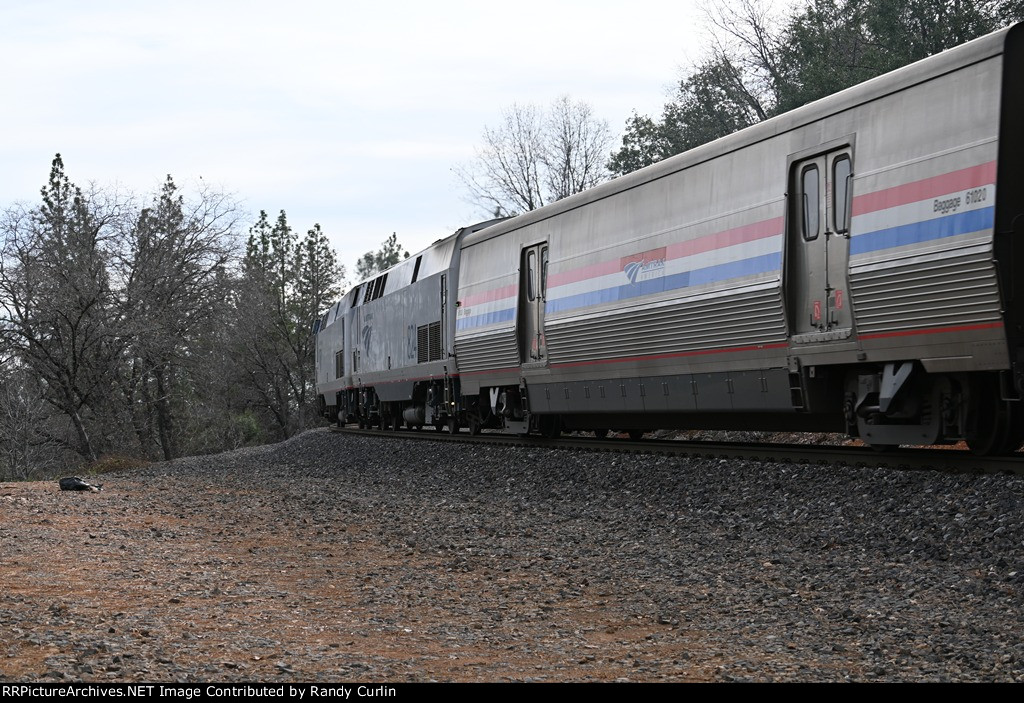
924 210
706 259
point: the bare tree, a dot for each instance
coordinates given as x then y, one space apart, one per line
61 316
537 157
135 329
174 284
576 148
764 59
505 176
747 43
26 446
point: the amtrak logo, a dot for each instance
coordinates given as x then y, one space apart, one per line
367 332
643 269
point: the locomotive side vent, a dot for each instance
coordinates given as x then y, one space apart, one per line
428 342
435 341
421 344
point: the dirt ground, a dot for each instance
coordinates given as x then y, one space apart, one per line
369 559
135 584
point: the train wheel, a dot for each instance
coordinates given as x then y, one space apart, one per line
396 423
636 435
550 426
601 434
997 427
438 426
453 425
474 424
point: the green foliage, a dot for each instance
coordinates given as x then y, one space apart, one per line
144 331
248 429
177 285
373 262
757 69
286 284
833 44
63 321
643 143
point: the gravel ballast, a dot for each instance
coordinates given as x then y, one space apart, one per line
333 557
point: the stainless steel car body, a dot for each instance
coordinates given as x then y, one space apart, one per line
849 265
696 287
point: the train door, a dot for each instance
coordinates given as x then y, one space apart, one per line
819 247
533 282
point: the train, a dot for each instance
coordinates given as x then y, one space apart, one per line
850 266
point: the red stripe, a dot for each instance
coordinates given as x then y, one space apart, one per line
728 238
698 352
933 330
699 245
490 295
980 175
402 380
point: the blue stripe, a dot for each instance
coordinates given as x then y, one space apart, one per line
489 318
697 277
927 230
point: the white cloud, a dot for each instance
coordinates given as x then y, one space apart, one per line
346 114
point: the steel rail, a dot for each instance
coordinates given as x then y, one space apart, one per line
910 458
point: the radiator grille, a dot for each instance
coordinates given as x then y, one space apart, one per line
428 343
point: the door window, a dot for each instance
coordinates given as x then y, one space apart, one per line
842 175
811 203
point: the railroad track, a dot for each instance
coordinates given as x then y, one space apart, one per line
921 458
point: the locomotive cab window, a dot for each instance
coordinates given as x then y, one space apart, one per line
810 206
842 179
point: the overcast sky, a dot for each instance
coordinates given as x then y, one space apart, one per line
347 114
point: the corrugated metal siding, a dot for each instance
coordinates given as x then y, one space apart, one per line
949 289
743 318
487 352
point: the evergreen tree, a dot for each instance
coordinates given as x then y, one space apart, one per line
373 262
63 320
759 68
285 286
176 284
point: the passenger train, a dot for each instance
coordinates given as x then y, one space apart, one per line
849 266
